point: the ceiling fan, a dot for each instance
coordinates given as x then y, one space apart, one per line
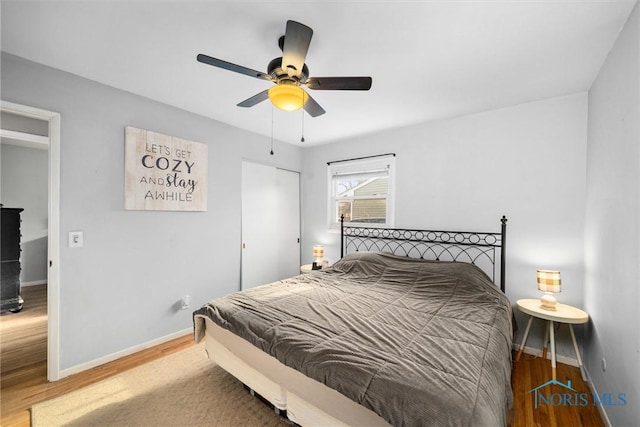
289 73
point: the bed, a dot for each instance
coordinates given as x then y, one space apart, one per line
383 337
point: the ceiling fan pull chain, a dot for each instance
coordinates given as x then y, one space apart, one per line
272 107
302 113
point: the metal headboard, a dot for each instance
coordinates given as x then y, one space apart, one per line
478 248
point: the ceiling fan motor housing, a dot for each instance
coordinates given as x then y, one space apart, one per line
280 75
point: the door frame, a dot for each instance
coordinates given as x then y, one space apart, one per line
53 270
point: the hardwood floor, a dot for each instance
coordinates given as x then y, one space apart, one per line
23 380
531 372
23 362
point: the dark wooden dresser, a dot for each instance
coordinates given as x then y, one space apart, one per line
10 258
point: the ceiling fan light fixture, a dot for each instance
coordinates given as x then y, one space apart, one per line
287 97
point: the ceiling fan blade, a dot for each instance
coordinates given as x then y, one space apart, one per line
296 44
339 83
312 107
232 67
255 99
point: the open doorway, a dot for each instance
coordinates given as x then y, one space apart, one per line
30 143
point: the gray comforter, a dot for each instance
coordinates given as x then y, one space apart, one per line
418 342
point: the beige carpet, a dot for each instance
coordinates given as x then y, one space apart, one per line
183 389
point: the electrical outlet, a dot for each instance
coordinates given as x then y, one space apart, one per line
186 302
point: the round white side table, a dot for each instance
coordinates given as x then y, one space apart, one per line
563 314
304 269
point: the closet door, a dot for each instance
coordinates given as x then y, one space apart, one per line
270 223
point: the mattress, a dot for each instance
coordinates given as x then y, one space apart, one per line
303 400
416 342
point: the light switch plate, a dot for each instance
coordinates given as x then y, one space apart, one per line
76 239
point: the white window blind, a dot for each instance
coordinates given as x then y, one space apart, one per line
362 190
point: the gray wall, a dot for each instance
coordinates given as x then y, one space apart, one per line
24 177
612 232
120 289
527 162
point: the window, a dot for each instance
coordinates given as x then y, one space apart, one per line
362 190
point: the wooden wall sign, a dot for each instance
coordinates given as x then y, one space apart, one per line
164 173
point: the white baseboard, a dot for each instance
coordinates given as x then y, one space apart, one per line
571 361
34 283
126 352
601 408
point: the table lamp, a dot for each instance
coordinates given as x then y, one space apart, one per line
318 254
549 283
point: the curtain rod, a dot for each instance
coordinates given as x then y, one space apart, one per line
362 158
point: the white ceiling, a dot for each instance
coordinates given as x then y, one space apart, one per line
428 59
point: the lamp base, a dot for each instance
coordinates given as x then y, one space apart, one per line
548 302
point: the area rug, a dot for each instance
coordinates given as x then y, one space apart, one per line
183 389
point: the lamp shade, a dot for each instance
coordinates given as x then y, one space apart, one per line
549 280
287 97
318 251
